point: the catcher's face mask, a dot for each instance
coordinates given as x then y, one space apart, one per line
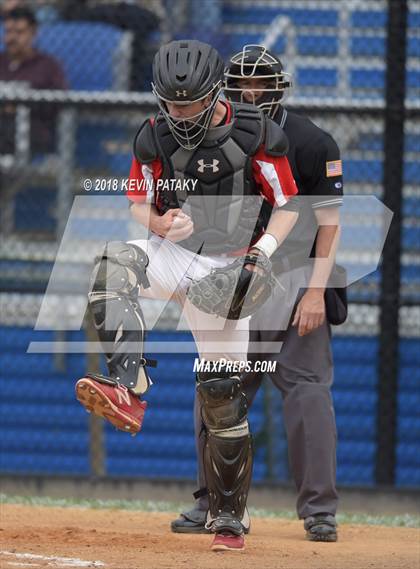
256 76
189 120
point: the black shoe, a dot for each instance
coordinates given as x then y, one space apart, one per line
321 527
193 521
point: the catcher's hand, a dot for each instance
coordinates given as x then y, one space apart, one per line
234 291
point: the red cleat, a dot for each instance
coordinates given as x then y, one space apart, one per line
228 542
115 403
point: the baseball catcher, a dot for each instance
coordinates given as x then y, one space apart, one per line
237 156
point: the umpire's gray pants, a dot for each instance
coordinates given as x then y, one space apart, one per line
304 375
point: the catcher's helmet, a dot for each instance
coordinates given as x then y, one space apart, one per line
257 62
185 72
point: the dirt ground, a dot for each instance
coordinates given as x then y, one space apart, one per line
115 539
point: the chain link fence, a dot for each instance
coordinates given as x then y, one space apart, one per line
59 140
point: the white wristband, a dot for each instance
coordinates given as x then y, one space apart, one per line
267 244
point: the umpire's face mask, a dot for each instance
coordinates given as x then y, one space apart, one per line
255 76
263 91
189 121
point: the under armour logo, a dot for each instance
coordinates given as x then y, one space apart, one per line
182 93
213 166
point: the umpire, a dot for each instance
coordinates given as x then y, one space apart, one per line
304 370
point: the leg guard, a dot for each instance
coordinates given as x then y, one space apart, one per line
228 449
113 301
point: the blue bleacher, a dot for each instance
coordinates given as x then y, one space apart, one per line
378 19
356 428
409 429
361 45
38 365
409 376
412 142
413 46
93 146
317 45
236 42
368 81
407 477
363 350
163 468
409 357
356 475
408 455
44 441
119 163
411 207
365 45
355 397
411 273
411 172
49 388
264 15
354 374
346 401
409 402
369 141
368 171
35 209
414 19
369 19
86 51
371 78
54 435
367 78
174 447
347 451
411 238
316 77
367 237
40 415
15 338
37 463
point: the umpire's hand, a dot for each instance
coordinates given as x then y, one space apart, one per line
173 225
310 311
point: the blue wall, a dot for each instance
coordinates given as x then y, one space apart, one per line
45 430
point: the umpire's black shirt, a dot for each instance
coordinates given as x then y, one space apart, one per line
315 161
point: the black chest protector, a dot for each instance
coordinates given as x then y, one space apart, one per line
225 204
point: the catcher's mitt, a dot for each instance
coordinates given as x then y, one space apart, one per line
234 292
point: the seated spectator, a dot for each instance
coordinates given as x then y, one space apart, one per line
46 11
8 5
21 62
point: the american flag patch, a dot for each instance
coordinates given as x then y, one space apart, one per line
334 168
